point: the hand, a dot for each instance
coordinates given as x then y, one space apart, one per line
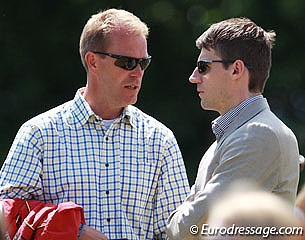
91 234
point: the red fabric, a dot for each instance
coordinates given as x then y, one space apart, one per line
33 219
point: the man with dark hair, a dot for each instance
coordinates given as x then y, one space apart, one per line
251 142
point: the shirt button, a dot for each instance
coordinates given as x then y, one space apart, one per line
106 138
107 192
108 219
107 164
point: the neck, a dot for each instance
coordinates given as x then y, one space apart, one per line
237 101
101 106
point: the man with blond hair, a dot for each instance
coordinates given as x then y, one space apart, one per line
121 165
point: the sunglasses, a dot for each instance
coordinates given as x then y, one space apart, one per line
128 63
202 65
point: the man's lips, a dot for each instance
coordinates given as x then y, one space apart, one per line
132 87
200 92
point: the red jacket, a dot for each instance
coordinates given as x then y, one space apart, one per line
33 219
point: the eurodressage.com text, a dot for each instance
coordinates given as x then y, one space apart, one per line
234 230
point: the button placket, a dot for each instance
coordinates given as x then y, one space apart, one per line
111 191
107 145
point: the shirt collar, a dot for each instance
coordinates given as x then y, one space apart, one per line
220 124
79 111
129 113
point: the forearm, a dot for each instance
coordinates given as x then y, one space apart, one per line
187 215
21 172
88 233
18 185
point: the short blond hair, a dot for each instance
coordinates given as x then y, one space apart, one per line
98 27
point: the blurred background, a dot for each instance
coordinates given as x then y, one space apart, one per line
40 66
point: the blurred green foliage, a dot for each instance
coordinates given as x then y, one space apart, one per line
40 65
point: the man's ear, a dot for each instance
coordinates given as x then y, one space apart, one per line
91 60
238 68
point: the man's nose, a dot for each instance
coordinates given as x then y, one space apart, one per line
195 76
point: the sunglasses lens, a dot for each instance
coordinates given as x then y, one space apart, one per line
144 63
202 66
126 63
131 63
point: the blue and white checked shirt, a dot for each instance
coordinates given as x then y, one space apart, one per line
128 178
220 124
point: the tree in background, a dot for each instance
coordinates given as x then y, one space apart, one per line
40 65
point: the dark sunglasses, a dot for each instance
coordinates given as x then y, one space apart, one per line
128 63
202 65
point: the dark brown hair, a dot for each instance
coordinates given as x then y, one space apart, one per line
240 38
